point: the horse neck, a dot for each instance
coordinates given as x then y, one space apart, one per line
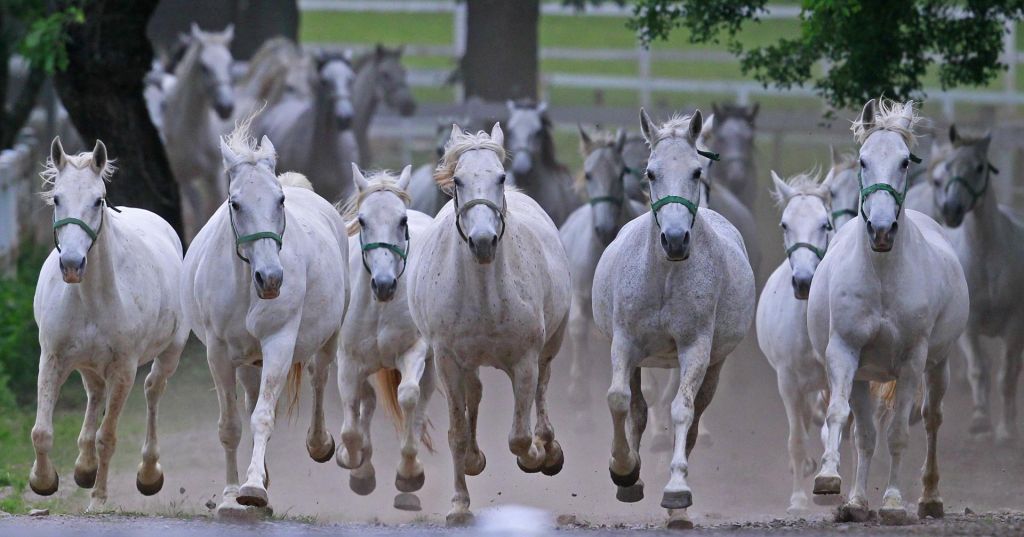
321 108
100 286
237 272
364 96
983 221
189 105
628 212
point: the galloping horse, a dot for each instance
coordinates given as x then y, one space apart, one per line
535 169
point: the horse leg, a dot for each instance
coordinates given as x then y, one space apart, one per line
554 457
863 402
800 465
476 461
363 479
277 360
249 377
119 381
229 425
662 441
149 478
409 476
893 511
841 364
979 375
637 423
351 377
693 363
1006 430
86 464
936 378
319 442
43 478
624 465
529 451
454 379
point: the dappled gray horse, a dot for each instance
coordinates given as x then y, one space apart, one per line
535 169
380 77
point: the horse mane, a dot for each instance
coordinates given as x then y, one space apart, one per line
459 144
847 160
888 117
80 161
267 76
243 144
806 183
379 181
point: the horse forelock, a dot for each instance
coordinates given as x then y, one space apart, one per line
80 161
379 181
888 117
806 183
458 145
244 145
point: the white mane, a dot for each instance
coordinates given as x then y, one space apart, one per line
889 116
79 161
458 145
243 144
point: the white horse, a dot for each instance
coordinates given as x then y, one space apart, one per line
265 288
989 241
380 77
733 138
384 237
927 193
585 235
197 105
475 295
427 197
535 168
673 290
873 315
844 187
782 315
634 156
124 315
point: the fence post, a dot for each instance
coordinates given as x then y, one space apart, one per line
643 60
459 17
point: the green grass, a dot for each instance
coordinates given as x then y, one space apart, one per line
17 454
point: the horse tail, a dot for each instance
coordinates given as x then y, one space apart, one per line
293 387
387 386
295 179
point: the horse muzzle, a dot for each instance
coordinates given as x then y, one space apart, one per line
882 235
676 244
605 234
343 114
72 267
268 282
953 213
484 246
406 106
802 285
383 287
522 163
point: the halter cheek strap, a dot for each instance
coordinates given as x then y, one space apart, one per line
460 211
253 237
975 194
393 248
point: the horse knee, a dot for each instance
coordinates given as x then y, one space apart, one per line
408 396
618 400
105 445
42 438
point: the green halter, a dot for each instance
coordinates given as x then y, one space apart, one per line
691 206
975 194
843 212
459 211
393 248
253 237
820 252
92 233
900 197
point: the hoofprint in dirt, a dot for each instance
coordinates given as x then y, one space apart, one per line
997 524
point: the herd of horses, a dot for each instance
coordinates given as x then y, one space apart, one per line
425 276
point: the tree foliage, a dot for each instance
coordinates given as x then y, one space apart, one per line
869 47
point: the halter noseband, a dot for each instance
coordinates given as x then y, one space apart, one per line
459 211
975 194
690 205
899 197
253 237
393 248
617 201
843 212
92 233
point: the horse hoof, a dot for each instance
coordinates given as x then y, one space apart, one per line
553 468
930 508
407 502
85 479
362 486
536 470
149 489
627 480
630 494
46 491
830 500
478 466
679 499
326 455
661 443
896 516
253 496
980 426
459 519
231 511
827 484
410 484
851 512
679 524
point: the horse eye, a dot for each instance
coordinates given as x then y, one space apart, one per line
586 176
827 226
696 173
863 164
404 222
281 201
362 223
783 226
457 181
56 201
979 168
501 179
99 201
234 205
650 175
905 163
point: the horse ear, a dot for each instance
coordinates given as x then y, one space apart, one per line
542 107
456 131
380 51
867 115
715 110
270 160
511 105
229 32
985 141
953 135
709 125
647 127
405 177
782 191
696 126
584 137
228 155
497 136
753 112
907 114
99 157
620 140
57 155
358 179
195 31
832 155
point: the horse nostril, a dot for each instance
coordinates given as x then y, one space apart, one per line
259 278
664 241
871 229
471 243
895 226
686 239
494 241
373 283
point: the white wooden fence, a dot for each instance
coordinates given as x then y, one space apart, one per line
16 164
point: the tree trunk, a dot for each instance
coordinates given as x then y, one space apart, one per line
501 49
102 91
